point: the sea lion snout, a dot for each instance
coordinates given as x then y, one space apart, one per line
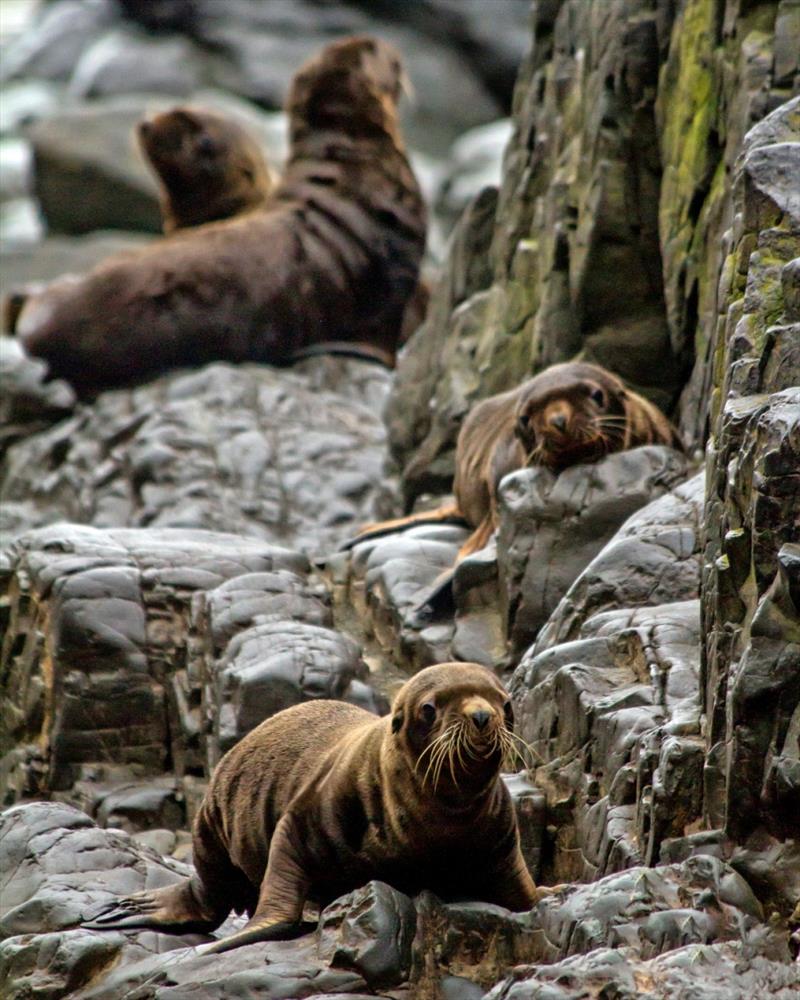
479 712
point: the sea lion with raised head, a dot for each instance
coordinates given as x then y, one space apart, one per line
568 414
208 166
323 797
331 259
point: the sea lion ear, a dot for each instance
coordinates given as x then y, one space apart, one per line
397 722
645 423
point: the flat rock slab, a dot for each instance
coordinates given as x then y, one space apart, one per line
294 457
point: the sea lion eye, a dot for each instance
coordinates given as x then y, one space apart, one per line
428 712
598 396
206 146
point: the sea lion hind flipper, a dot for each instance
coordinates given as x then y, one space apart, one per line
446 514
173 908
256 931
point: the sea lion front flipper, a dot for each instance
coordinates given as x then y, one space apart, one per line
281 896
173 908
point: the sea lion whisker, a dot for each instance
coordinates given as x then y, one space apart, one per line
517 739
439 748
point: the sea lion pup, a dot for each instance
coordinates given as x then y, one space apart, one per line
324 796
568 414
208 166
331 259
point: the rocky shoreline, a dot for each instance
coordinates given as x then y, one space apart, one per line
171 575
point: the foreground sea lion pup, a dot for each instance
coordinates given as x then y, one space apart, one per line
323 797
568 414
208 165
328 263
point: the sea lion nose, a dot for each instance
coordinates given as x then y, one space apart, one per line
480 718
559 421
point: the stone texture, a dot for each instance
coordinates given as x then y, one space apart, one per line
101 663
224 448
550 527
366 943
751 600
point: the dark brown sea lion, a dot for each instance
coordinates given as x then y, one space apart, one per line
333 257
209 167
323 797
566 415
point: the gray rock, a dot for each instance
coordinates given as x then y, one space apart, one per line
273 666
550 527
225 447
57 255
51 48
98 638
729 972
127 62
27 402
370 931
654 557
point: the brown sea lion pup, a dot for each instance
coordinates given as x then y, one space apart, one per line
324 796
209 167
568 414
331 259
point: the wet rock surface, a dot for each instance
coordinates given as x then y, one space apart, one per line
225 448
170 574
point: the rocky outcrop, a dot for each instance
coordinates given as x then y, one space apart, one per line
652 611
628 119
365 944
751 586
225 448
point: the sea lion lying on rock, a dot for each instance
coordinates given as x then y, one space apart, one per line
323 797
568 414
332 259
208 166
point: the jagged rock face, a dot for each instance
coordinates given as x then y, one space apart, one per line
751 585
628 119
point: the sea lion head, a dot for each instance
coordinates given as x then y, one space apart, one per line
577 412
209 165
353 85
454 722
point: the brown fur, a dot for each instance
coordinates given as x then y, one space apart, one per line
323 797
568 414
334 256
208 167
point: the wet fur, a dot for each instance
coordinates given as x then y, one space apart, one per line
323 797
333 256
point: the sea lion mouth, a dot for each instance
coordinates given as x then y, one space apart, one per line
463 753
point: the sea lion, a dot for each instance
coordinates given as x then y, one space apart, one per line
332 257
208 166
324 796
567 414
